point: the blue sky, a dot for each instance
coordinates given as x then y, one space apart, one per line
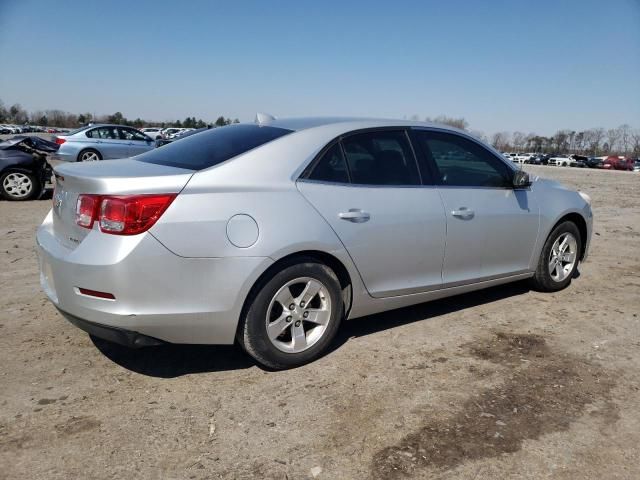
534 65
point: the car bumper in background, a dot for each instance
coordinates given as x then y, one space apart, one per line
157 293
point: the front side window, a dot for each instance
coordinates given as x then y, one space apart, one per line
131 134
462 162
381 158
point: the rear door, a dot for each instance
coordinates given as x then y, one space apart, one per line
108 142
491 227
136 141
368 188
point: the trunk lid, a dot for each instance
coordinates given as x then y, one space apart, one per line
111 177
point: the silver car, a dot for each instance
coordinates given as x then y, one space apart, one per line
270 234
100 142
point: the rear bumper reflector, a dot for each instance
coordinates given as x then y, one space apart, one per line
95 293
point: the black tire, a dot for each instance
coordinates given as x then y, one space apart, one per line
252 331
542 281
11 193
86 151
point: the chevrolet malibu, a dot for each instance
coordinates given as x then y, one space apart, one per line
270 234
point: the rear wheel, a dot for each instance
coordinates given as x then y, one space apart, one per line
89 155
292 317
559 258
19 185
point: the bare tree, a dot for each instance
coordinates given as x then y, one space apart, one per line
518 140
500 140
613 137
625 138
561 140
635 142
460 123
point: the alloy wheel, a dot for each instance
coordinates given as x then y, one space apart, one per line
563 256
89 157
298 315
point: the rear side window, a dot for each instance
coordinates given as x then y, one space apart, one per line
331 167
211 147
381 158
107 133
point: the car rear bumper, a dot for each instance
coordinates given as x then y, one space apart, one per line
157 294
128 338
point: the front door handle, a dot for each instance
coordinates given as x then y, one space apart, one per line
355 215
464 213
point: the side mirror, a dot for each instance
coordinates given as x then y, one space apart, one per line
521 179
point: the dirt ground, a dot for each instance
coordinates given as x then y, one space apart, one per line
503 383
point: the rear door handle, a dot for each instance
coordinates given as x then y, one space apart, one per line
355 215
463 213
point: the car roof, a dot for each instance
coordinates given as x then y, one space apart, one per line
349 123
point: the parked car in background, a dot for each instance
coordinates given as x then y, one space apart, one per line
186 243
534 160
165 141
101 142
170 132
614 162
24 170
153 132
595 162
636 165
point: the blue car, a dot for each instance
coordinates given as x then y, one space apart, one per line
101 142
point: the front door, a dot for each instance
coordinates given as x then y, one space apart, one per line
491 228
137 142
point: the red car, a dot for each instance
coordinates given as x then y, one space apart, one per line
613 162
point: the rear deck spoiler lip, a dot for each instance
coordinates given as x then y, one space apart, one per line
86 178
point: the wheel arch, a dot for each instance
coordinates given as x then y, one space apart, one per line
316 255
579 222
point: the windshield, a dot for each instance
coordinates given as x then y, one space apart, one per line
211 147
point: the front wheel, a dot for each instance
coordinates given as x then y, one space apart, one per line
293 316
559 259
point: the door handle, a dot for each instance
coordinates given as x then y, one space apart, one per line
355 215
464 213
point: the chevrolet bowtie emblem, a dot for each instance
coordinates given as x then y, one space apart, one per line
57 200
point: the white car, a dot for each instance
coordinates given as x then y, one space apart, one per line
153 132
521 157
561 160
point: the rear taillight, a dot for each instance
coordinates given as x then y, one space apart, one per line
86 209
123 214
60 141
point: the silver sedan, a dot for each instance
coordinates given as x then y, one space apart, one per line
273 233
100 142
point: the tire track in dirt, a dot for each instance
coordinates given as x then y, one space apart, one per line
546 391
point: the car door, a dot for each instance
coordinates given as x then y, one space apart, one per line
107 141
137 142
368 188
492 228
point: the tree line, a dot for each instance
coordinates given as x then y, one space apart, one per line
623 140
17 115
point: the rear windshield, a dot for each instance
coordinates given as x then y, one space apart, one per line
77 130
211 147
